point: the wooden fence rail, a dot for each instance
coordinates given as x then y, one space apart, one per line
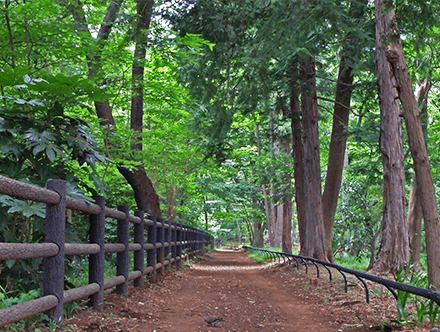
157 242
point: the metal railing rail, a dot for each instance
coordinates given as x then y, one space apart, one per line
392 286
162 242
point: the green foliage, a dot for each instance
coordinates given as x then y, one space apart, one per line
424 307
358 262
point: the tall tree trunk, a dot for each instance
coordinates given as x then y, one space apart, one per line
286 206
263 188
338 144
149 200
297 152
171 199
274 241
258 233
411 114
394 247
287 227
312 173
414 206
278 225
144 192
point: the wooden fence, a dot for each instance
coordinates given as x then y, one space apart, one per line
162 242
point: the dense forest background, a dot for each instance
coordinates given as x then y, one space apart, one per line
262 121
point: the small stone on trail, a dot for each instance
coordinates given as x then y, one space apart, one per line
213 320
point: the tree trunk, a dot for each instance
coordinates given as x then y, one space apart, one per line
273 239
278 225
394 246
263 187
414 206
411 114
144 11
337 150
297 152
258 233
145 195
311 163
287 227
171 199
285 211
338 144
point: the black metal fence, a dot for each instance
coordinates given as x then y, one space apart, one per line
392 286
163 242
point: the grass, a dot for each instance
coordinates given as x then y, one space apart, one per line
352 262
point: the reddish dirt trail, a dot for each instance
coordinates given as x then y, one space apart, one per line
245 294
248 296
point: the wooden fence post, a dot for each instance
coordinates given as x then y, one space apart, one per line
185 240
179 239
122 257
139 256
152 254
161 251
191 240
174 241
55 232
167 252
96 261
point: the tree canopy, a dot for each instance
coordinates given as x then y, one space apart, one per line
209 101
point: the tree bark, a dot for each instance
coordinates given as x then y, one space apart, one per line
144 11
338 142
414 206
278 225
145 195
287 227
297 152
337 148
411 114
311 163
263 187
273 234
258 233
394 247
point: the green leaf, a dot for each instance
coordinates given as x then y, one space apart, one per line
50 153
10 263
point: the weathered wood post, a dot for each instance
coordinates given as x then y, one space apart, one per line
161 239
174 241
139 255
191 240
122 257
96 261
185 240
152 253
55 232
178 244
167 252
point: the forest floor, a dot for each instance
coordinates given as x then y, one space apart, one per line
249 296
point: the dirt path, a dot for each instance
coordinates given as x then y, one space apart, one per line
247 295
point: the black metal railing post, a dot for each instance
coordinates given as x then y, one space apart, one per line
55 232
